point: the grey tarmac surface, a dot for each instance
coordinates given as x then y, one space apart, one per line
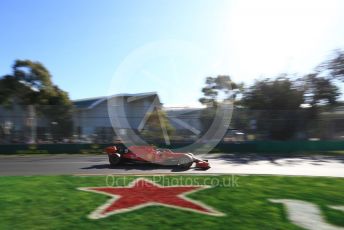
27 165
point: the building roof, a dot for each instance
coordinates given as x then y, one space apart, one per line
86 103
89 103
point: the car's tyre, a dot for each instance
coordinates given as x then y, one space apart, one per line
114 159
185 162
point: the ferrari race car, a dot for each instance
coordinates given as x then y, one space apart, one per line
149 154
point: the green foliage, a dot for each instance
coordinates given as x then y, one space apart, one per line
278 94
31 84
8 86
320 90
276 104
217 89
33 74
335 66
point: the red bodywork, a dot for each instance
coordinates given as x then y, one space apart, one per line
150 154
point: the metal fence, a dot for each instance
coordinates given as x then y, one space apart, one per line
24 125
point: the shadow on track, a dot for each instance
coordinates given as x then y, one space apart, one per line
142 167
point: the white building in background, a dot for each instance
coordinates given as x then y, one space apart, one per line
186 121
92 116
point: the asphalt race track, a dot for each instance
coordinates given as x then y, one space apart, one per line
220 164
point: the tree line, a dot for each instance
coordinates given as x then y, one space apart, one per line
282 106
30 84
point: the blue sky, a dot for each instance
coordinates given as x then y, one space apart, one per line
95 48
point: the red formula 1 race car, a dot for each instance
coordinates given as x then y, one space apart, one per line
149 154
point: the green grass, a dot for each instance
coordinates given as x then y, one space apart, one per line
53 202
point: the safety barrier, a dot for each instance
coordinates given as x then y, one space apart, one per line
238 147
